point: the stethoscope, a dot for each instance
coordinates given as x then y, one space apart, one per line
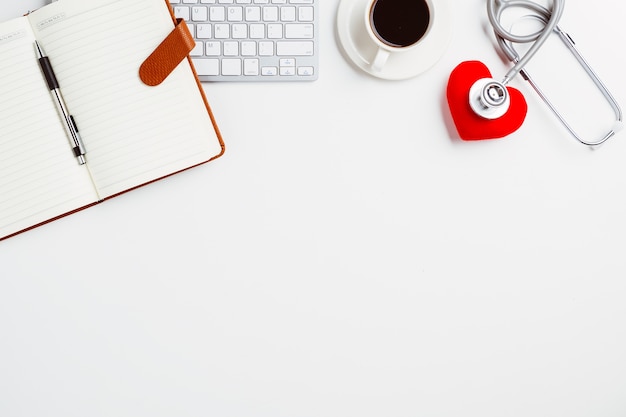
489 98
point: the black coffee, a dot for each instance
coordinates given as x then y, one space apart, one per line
400 22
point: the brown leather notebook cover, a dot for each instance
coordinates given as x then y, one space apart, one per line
154 70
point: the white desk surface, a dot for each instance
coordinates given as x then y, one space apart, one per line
347 256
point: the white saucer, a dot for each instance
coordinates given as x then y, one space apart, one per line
361 50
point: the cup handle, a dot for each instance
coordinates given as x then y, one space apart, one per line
380 60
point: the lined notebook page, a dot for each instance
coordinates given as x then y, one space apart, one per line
133 133
39 176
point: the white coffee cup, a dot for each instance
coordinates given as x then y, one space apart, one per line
396 27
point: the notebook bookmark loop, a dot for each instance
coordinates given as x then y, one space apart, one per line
174 48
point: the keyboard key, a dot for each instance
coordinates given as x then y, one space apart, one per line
253 14
218 14
203 31
269 71
182 12
199 14
231 66
239 31
231 48
306 71
270 14
257 31
266 48
288 14
305 14
285 48
235 14
213 48
251 66
298 31
248 48
274 31
221 31
206 66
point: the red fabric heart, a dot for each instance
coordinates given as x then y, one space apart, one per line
470 125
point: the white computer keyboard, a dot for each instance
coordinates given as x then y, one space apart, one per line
253 40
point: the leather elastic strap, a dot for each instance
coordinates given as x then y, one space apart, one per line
174 48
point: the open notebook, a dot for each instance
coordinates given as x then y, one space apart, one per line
133 133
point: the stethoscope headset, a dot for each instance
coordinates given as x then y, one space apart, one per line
486 108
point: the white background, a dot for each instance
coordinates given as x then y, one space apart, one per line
347 256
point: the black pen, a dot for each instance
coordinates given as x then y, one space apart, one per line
70 124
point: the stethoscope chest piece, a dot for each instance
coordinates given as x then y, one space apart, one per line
489 98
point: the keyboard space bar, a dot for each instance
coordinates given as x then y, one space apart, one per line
294 48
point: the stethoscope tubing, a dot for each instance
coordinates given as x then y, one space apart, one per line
550 19
495 9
